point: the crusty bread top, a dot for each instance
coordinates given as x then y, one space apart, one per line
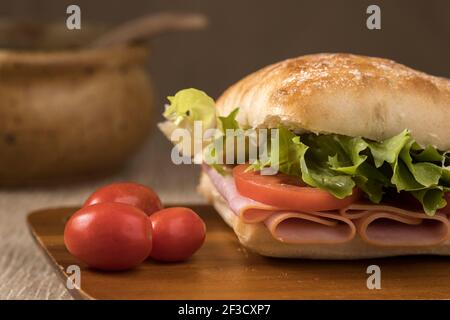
345 94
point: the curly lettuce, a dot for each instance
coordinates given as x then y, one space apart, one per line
189 105
338 163
331 162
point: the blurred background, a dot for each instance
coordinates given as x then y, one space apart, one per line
242 36
245 35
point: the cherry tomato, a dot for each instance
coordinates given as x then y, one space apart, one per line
177 234
287 192
133 194
109 236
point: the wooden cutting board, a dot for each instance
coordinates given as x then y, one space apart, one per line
223 269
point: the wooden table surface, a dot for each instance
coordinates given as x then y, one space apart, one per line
24 272
223 269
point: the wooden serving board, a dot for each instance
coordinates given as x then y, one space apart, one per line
223 269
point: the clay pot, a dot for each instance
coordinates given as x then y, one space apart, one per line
71 114
81 111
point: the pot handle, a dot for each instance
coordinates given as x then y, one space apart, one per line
144 28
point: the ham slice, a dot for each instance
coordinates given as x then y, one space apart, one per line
382 225
285 226
386 225
303 228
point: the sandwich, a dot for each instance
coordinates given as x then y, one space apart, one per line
361 153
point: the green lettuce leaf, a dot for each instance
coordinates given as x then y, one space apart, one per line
389 149
426 174
316 170
351 158
215 153
229 122
289 154
431 199
429 154
191 105
353 162
285 157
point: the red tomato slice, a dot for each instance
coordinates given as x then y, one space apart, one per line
287 192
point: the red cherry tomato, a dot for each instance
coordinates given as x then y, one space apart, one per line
177 234
133 194
109 236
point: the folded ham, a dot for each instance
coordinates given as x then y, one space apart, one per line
391 226
381 225
284 225
317 227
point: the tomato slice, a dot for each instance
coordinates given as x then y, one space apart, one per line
287 192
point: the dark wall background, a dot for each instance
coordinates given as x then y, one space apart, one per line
248 34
